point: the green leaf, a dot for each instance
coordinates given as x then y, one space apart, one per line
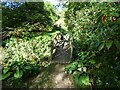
73 67
81 79
92 61
70 71
115 14
79 69
117 43
101 46
84 79
109 44
6 75
28 67
76 78
5 70
84 69
18 74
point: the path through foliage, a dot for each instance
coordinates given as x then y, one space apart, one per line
28 28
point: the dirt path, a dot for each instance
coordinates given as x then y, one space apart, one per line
52 77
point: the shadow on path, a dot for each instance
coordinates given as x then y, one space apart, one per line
52 76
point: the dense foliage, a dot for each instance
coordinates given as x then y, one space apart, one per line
96 32
27 32
28 29
27 18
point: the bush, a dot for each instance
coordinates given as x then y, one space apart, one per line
95 28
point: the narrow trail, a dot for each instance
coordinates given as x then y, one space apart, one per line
52 77
60 78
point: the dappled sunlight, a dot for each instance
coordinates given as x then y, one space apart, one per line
61 44
52 76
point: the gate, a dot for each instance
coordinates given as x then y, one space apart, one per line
61 48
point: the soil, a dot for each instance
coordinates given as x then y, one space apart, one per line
52 76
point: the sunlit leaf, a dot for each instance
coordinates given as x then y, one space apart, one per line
6 75
101 46
73 67
81 79
5 69
84 69
70 71
79 69
84 79
18 74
